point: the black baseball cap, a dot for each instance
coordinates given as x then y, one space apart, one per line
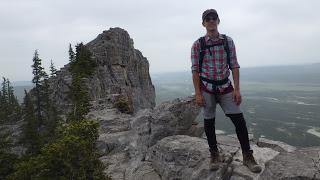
209 11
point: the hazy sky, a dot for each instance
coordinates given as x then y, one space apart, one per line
266 32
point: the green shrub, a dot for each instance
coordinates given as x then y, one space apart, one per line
72 156
123 104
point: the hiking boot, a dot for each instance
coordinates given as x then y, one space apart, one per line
250 162
214 160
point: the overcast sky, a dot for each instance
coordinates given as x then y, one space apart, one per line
265 32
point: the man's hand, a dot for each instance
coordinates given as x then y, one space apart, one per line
199 100
236 96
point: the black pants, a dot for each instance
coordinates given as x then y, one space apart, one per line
241 130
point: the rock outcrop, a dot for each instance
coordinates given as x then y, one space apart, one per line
303 163
121 70
165 142
125 139
161 144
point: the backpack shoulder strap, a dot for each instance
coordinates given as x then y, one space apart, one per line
202 42
227 49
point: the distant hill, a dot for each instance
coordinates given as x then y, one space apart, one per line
19 91
307 73
22 83
19 87
179 84
281 102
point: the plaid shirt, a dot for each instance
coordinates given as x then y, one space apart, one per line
214 65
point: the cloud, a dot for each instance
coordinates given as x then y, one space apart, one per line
265 32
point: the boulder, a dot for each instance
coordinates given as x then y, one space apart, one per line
303 163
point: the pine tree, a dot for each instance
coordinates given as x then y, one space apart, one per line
53 70
83 64
4 101
81 67
14 110
51 118
71 54
1 106
39 76
11 97
9 105
52 122
4 89
73 154
5 141
30 130
7 159
9 112
44 108
41 96
80 100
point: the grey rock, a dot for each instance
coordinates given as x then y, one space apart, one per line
14 131
262 156
121 70
174 117
141 139
183 157
114 130
128 137
276 145
154 143
117 164
144 171
121 167
230 145
169 118
303 163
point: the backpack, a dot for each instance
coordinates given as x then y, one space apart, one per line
203 47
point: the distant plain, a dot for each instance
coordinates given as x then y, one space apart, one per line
281 103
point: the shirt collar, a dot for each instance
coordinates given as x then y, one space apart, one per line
207 38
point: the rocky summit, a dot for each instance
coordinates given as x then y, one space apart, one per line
122 70
164 142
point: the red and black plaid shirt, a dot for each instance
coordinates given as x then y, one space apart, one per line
215 65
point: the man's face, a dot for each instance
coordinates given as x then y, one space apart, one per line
211 22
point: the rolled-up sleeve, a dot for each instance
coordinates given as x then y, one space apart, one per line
233 55
195 56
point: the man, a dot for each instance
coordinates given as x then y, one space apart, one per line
212 56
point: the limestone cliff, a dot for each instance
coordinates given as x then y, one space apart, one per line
121 70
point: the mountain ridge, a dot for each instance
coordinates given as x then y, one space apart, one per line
164 141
